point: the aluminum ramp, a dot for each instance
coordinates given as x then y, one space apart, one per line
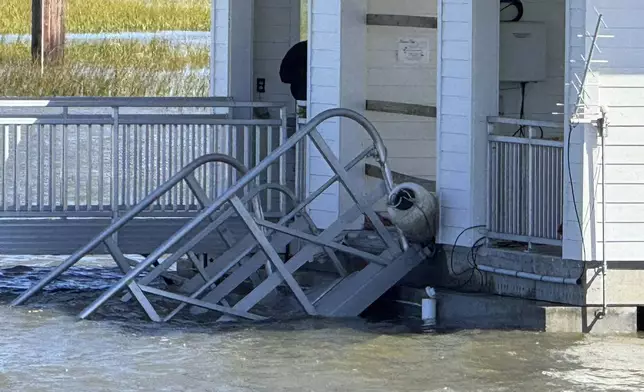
254 257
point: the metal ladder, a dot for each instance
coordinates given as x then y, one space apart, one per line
347 296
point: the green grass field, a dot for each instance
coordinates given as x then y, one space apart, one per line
111 68
156 55
100 16
108 68
26 80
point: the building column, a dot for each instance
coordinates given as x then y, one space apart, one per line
231 60
468 88
337 78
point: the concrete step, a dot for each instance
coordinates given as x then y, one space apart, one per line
456 310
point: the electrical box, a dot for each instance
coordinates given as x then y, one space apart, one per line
522 52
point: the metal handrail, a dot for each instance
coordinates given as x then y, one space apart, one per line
246 180
157 142
209 282
132 102
137 209
532 145
131 119
523 140
162 266
524 122
228 196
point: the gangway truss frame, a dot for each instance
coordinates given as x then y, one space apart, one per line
347 295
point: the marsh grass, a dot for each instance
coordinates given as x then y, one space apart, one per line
101 16
155 55
26 80
109 68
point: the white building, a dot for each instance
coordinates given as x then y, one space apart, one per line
488 102
433 75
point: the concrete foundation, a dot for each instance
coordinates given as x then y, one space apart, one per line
482 300
457 310
462 260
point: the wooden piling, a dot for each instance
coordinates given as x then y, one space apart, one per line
47 30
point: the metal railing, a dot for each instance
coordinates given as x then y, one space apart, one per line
79 157
218 210
525 183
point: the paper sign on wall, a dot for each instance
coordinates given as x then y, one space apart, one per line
413 50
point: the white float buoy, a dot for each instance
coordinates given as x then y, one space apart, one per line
414 210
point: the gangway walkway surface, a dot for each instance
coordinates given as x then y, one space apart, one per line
254 255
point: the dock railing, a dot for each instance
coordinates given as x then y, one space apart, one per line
525 182
98 157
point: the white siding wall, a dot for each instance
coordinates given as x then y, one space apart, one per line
468 37
232 50
621 89
411 140
575 205
324 93
275 27
276 30
454 116
219 49
369 69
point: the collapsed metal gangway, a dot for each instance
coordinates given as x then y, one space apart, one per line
254 255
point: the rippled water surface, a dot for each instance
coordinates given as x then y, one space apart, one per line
181 37
44 348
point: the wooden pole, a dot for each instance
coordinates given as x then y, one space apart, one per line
47 30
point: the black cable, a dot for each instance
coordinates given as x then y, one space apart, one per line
520 132
472 269
518 5
471 259
521 111
478 244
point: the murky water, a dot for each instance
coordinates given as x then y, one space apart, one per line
44 348
195 38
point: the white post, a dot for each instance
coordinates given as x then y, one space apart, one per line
485 102
241 43
428 306
469 38
213 39
337 74
231 48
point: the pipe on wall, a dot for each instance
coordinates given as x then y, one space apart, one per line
529 276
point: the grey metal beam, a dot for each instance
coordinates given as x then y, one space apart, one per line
272 255
328 244
350 187
302 257
134 288
195 302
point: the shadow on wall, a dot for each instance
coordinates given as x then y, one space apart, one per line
293 70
